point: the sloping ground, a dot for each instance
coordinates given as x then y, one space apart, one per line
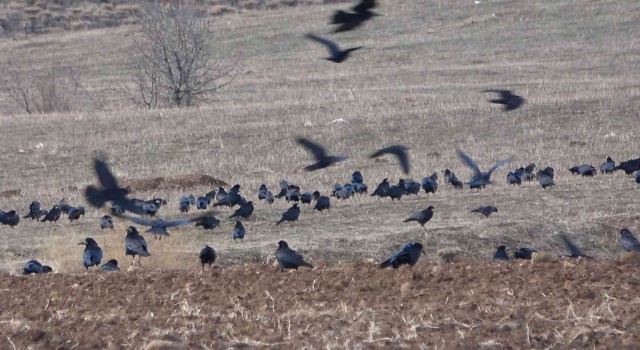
512 305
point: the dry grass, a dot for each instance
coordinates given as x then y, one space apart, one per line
417 82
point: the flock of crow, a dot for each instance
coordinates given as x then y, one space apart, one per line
142 212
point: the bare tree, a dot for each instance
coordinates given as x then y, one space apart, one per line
55 89
173 64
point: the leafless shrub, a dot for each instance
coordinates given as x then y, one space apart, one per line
55 89
173 65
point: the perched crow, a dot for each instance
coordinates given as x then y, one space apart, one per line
34 266
628 241
524 253
400 151
479 179
514 178
411 187
430 183
306 198
262 192
509 100
111 265
528 172
106 222
545 177
92 253
357 178
584 170
244 211
323 160
289 258
10 218
408 255
422 217
630 166
337 56
382 188
396 191
486 211
451 178
501 253
208 222
53 215
75 213
185 204
608 167
238 231
202 203
35 211
322 203
135 244
290 215
351 20
207 256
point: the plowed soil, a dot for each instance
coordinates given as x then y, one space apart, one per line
466 304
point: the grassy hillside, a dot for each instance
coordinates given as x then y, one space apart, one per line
416 82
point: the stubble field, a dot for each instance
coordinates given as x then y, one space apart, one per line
416 82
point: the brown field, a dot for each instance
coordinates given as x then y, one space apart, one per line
416 82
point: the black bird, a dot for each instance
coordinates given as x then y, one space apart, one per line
545 177
400 151
109 191
34 266
396 191
528 172
320 154
509 100
35 211
524 253
10 218
451 178
292 214
231 198
159 226
202 203
322 203
337 56
608 167
106 222
636 175
479 179
573 248
501 253
422 217
514 179
64 207
289 258
629 166
238 231
411 187
351 20
135 244
292 193
306 198
262 192
53 215
583 170
111 265
185 204
207 256
357 178
486 211
269 198
244 211
408 255
430 183
92 253
208 222
628 241
75 213
382 188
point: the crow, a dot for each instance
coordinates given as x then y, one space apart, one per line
608 167
337 56
400 151
92 253
422 217
486 211
430 183
292 214
501 253
35 211
408 255
509 100
10 218
53 215
357 178
111 265
244 211
135 244
451 178
238 231
208 222
185 204
106 222
207 256
524 253
289 258
351 20
479 179
628 241
75 213
629 167
34 266
320 154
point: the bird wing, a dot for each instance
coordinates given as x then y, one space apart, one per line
469 162
399 151
105 176
317 150
179 222
290 257
333 47
139 221
365 5
498 164
505 94
136 244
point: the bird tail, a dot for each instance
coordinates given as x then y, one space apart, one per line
385 264
476 210
94 196
408 219
280 221
304 263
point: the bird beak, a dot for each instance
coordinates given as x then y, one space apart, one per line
82 243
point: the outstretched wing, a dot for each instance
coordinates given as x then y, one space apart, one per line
365 5
317 150
400 151
498 164
105 176
505 94
139 221
333 47
180 222
469 162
